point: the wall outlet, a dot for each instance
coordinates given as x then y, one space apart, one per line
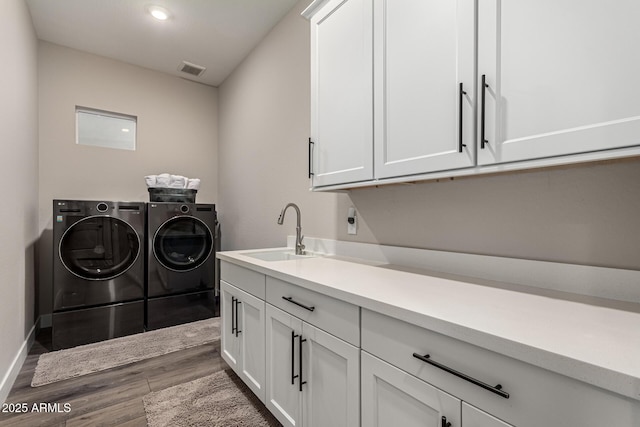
352 222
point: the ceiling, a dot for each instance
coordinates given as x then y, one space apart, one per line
216 34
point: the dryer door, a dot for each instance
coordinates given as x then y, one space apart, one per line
182 243
99 248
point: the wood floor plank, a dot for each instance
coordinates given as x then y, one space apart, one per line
114 415
109 398
185 367
86 397
138 422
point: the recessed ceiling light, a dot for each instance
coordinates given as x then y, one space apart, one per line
158 12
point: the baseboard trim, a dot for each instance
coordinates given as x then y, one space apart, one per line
11 375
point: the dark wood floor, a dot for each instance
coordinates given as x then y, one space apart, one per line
108 398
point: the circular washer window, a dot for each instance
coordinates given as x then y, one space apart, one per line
182 243
99 247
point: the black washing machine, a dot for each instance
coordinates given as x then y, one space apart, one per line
98 271
181 263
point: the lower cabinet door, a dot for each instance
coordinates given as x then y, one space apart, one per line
474 417
229 343
331 373
283 396
242 336
392 397
250 326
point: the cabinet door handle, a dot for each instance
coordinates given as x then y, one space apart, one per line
237 327
300 355
461 94
233 315
293 356
497 389
310 163
445 423
484 84
306 307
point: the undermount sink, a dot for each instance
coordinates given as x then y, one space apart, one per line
278 255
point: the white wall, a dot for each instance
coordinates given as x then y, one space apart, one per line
19 178
264 127
585 214
176 133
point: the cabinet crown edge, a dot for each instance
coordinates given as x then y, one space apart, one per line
313 7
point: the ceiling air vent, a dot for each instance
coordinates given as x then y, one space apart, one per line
193 69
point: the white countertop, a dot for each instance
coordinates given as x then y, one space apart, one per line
595 344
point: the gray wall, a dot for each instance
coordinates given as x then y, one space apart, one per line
19 177
176 133
264 126
584 214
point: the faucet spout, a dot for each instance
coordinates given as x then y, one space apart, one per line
299 246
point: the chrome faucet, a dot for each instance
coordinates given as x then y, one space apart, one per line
299 236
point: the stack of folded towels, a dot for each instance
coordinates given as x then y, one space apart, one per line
165 180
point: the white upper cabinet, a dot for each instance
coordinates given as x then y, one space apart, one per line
423 52
561 75
341 93
417 89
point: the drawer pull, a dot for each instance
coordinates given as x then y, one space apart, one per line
306 307
497 389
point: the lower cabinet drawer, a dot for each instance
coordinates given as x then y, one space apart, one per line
339 318
248 280
516 392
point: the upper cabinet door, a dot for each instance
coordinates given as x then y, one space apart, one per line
561 77
341 92
423 51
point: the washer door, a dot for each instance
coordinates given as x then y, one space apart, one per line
182 243
99 247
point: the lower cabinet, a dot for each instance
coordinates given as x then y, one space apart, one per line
318 361
392 397
242 338
312 376
474 417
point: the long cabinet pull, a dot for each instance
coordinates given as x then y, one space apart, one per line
300 355
238 302
293 357
306 307
445 423
310 164
461 94
497 389
484 84
233 315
